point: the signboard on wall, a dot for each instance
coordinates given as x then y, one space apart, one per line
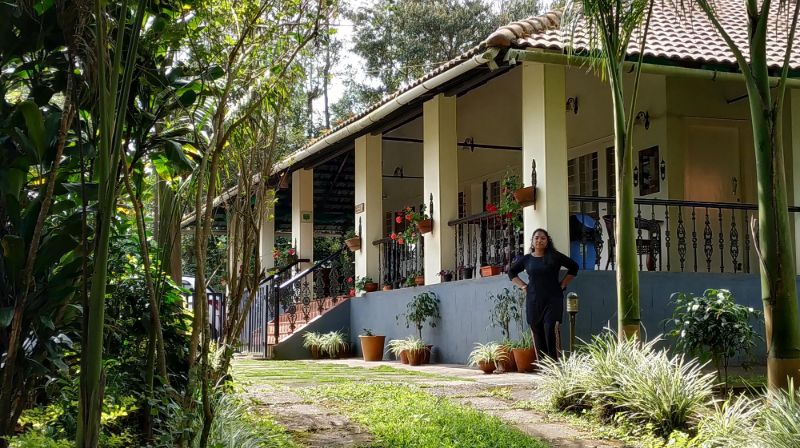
359 208
306 217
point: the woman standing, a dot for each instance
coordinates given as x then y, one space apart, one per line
544 298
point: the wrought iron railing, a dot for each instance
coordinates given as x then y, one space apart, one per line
290 298
399 261
485 239
671 235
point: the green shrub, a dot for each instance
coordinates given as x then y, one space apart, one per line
333 343
780 419
33 439
564 382
712 326
731 423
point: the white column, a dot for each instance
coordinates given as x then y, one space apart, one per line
440 168
544 139
266 242
793 103
303 214
369 203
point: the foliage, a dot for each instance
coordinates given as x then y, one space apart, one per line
712 326
780 418
234 427
362 281
423 308
284 256
351 234
403 416
564 382
508 206
508 307
411 217
312 340
732 422
491 352
367 332
397 346
525 341
333 343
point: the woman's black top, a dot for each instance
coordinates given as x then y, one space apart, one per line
543 278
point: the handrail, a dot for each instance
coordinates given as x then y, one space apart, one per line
470 219
284 269
307 271
675 203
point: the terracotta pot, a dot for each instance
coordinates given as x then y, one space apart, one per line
526 196
314 352
419 280
370 287
489 271
487 367
426 354
415 357
353 244
372 347
425 226
508 364
404 357
524 359
387 287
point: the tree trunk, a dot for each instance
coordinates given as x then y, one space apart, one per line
628 317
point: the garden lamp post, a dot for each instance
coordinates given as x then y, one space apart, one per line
572 309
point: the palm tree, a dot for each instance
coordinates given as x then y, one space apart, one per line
774 242
608 27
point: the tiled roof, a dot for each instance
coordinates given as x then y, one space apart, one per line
674 34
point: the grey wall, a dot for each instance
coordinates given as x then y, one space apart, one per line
465 307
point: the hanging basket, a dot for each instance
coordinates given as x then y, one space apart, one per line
425 226
526 196
353 244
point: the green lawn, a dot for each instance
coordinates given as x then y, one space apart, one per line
391 404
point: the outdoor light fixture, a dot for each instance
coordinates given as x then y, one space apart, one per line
572 104
573 306
469 143
663 169
643 117
284 181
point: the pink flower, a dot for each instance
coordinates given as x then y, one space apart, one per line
398 219
408 217
393 236
291 252
400 240
349 279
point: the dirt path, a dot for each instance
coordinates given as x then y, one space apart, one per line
498 395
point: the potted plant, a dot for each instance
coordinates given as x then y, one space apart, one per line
487 356
465 272
508 307
510 207
490 270
419 278
366 284
416 351
352 241
397 347
447 276
284 256
387 286
334 344
524 353
417 223
313 342
371 345
525 196
352 292
410 281
422 309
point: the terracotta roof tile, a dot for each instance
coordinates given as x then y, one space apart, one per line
674 35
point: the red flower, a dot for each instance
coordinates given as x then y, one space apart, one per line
408 217
398 219
508 215
491 208
400 240
291 252
393 236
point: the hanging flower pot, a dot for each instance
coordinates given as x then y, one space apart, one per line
425 226
525 196
353 244
370 287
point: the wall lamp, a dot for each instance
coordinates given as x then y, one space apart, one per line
572 104
643 118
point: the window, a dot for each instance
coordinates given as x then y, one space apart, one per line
582 180
494 192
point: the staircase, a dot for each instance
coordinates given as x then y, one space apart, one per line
300 297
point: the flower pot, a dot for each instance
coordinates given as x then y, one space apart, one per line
353 244
419 280
370 287
372 347
447 278
489 271
524 359
465 273
404 357
526 196
415 357
487 367
508 365
425 226
387 287
426 354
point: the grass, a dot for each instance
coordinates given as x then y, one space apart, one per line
405 416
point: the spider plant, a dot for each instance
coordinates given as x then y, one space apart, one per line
491 352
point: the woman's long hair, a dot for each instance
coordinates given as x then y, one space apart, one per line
550 250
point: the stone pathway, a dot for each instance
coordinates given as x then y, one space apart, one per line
495 395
